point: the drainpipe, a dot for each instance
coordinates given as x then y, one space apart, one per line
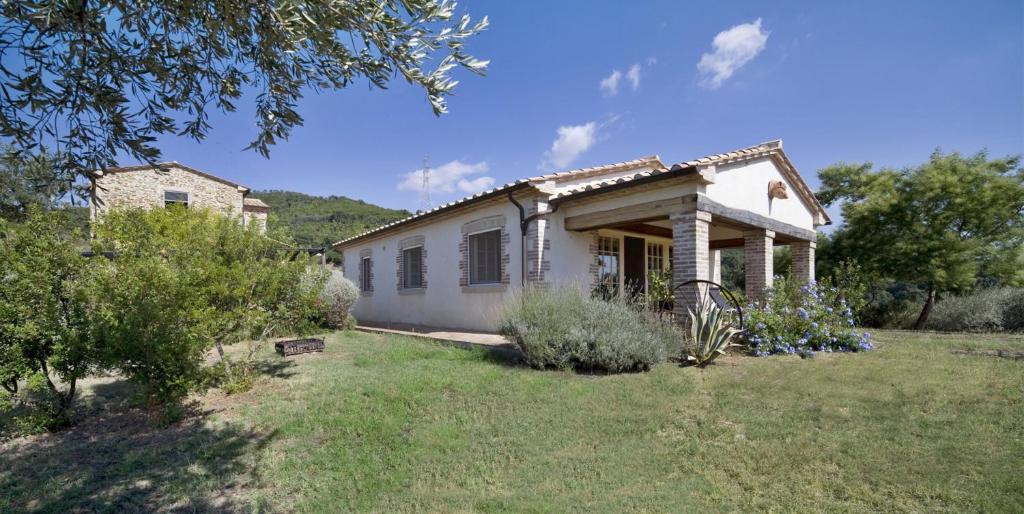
524 225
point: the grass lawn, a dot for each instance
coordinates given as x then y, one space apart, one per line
393 424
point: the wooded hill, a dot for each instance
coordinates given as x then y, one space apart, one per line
319 220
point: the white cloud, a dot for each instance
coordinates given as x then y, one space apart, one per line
571 142
634 76
449 177
733 48
610 84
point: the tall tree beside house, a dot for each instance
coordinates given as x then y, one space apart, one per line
105 78
45 304
944 224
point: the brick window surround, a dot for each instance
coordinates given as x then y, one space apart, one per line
411 243
366 272
490 223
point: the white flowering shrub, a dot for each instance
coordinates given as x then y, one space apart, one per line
802 320
337 298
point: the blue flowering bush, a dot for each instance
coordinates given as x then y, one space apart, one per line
802 320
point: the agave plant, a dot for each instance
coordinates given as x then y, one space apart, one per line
710 334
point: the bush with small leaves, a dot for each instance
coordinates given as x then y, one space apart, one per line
338 297
563 327
986 310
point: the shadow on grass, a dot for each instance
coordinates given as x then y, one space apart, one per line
122 462
282 368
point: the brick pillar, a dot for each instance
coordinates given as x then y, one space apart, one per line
715 266
803 261
689 257
758 255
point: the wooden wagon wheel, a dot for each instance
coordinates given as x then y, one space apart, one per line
704 291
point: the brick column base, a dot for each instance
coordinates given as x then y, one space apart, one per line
803 261
758 259
689 258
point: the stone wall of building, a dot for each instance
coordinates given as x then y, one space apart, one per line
255 216
144 188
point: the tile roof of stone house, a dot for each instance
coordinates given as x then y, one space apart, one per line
174 164
255 202
653 169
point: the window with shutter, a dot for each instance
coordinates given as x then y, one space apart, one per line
412 267
364 275
485 257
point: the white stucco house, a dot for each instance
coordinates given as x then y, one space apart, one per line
455 265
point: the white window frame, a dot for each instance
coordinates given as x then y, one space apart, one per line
617 238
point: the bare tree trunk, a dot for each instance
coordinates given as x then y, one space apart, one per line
227 364
926 310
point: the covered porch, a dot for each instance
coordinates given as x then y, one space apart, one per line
687 234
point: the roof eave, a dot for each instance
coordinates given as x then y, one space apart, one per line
466 202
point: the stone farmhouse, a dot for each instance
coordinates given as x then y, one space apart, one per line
171 183
602 227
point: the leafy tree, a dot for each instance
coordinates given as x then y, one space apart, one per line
108 76
45 303
185 281
319 221
943 224
32 181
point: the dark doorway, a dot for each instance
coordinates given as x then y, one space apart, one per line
634 265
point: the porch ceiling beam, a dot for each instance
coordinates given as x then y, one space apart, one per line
720 244
785 232
643 228
661 209
639 213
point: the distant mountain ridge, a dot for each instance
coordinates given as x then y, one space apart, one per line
322 220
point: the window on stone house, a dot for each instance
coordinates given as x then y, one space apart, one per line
608 265
175 198
485 257
412 267
365 280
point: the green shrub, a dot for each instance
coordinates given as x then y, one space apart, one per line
563 327
338 297
802 320
186 281
987 310
46 297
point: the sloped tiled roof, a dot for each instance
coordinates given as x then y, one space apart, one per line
653 162
751 152
254 202
773 147
174 164
490 193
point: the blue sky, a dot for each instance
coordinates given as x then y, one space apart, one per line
886 82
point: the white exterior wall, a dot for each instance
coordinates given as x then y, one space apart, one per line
566 259
745 186
443 303
570 253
